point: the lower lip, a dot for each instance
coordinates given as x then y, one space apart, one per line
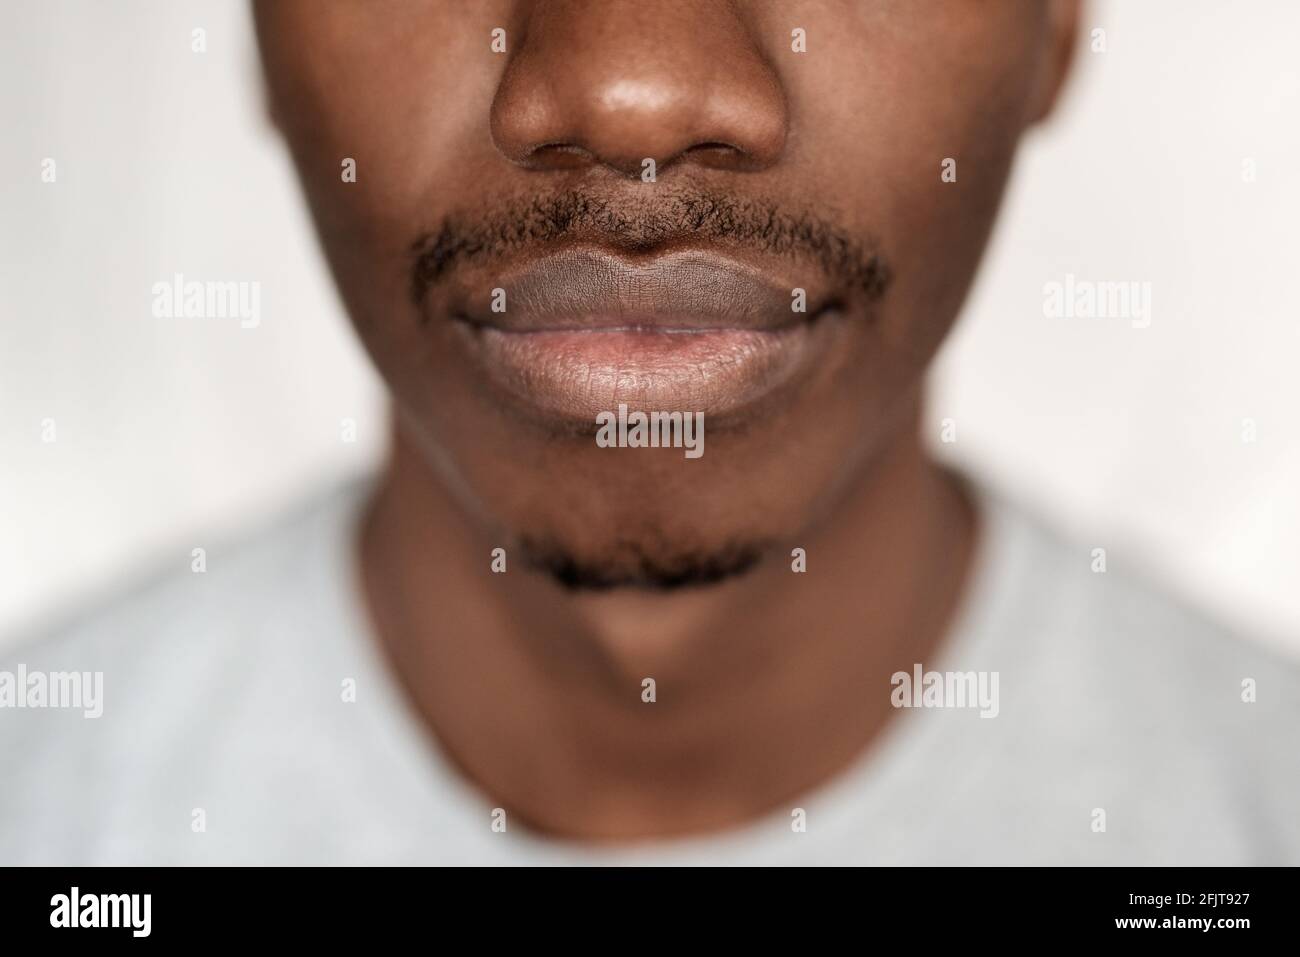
576 374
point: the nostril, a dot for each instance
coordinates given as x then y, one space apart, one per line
558 156
719 155
715 146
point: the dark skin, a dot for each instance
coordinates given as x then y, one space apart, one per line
768 682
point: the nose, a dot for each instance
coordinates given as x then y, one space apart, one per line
615 82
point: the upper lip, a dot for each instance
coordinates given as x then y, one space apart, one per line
592 290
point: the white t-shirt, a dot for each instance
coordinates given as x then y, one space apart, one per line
1121 735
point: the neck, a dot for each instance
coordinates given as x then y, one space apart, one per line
764 686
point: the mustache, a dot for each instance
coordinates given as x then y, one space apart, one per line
670 218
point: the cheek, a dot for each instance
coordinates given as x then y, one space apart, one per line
405 107
910 133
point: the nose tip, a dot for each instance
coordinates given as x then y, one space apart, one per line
672 89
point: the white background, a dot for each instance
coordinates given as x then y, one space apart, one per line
169 432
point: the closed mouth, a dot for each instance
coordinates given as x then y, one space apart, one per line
577 332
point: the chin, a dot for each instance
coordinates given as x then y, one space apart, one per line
646 566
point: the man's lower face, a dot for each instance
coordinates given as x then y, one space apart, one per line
577 229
